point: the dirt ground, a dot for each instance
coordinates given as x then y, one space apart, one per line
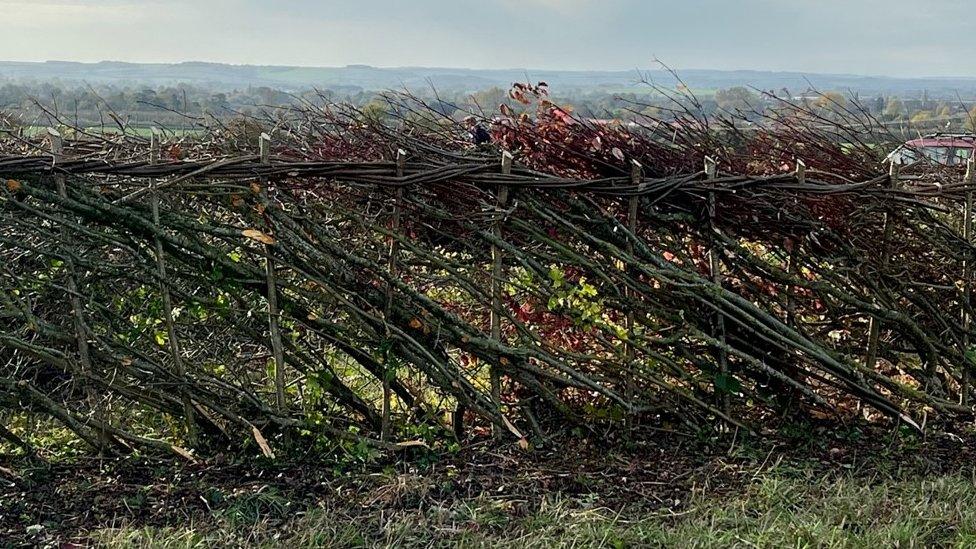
59 504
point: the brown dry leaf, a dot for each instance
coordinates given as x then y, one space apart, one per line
523 443
13 185
415 323
262 442
255 188
127 361
258 236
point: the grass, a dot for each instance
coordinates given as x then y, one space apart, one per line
783 508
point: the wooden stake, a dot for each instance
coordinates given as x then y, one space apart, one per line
81 332
174 342
277 349
967 289
801 179
497 282
715 266
874 326
801 172
393 267
636 178
57 152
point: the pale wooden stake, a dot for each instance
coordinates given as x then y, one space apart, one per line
636 178
497 282
874 326
81 334
393 267
801 171
715 266
801 178
277 349
967 290
174 342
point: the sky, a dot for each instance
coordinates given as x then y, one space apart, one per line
871 37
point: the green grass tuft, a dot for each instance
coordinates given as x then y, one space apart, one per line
781 509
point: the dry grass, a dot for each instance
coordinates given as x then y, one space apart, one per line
784 508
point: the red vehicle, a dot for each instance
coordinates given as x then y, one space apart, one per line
940 148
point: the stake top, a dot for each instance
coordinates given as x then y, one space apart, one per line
711 167
401 162
264 148
801 171
894 168
507 160
154 144
637 174
57 142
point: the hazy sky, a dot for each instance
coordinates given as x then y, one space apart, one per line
892 37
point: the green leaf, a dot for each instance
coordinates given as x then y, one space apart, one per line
557 277
971 354
727 383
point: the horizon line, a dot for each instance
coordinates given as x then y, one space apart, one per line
663 68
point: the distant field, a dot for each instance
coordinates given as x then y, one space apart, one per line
141 131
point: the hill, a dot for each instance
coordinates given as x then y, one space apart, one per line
366 77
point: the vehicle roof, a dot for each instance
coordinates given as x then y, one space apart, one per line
956 141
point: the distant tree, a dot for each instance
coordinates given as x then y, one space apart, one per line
922 116
879 105
831 101
894 109
375 111
490 99
145 95
736 99
651 111
217 101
